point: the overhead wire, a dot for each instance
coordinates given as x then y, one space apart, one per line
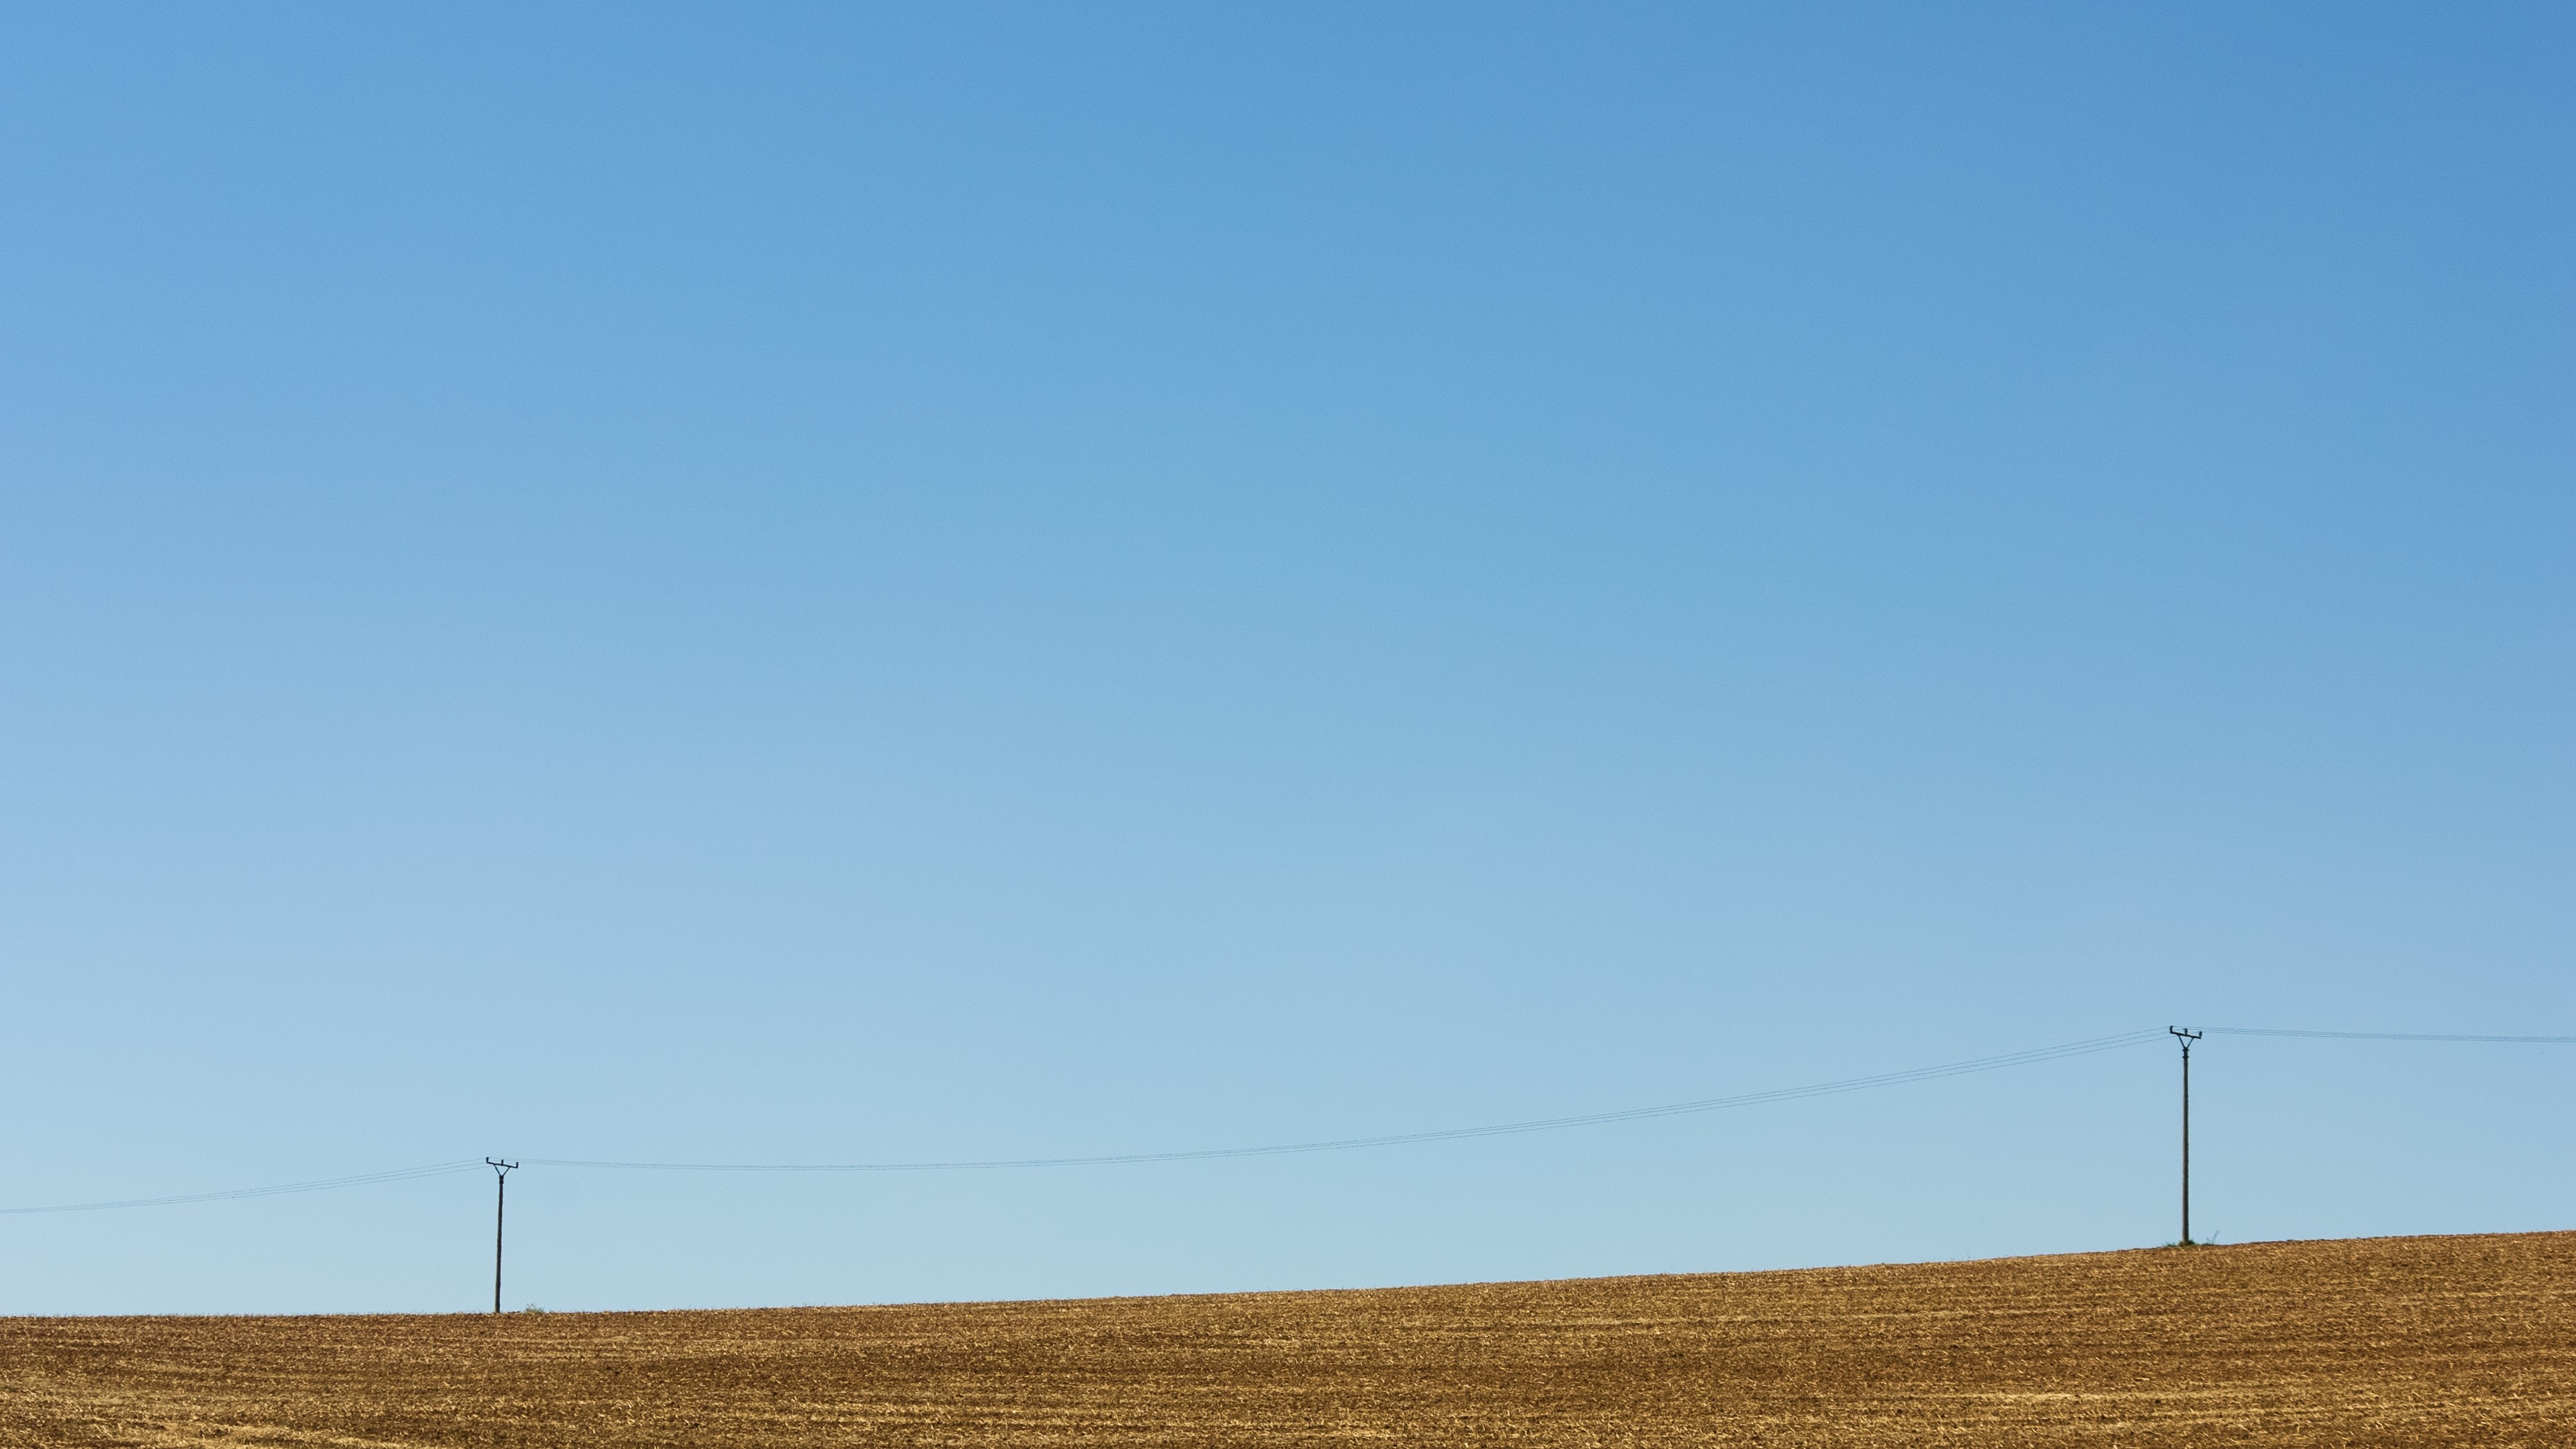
1448 1134
324 1184
1854 1084
2392 1035
1969 1067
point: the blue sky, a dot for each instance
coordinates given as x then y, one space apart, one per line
832 584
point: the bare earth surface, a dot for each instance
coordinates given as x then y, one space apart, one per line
2463 1340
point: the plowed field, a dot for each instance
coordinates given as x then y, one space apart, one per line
2462 1340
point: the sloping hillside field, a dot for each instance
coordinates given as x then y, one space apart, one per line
2465 1340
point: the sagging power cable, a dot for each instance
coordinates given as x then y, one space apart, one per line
1449 1134
1785 1094
2393 1035
1339 1144
325 1184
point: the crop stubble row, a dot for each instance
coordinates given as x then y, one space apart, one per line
2459 1340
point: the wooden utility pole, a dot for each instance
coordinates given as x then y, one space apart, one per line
501 1201
2186 1038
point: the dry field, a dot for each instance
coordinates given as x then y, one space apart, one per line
2464 1340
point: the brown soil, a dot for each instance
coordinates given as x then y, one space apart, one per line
2463 1340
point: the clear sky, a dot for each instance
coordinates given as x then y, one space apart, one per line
826 584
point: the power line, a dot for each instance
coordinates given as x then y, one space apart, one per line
1342 1144
1854 1084
1450 1134
2391 1035
363 1179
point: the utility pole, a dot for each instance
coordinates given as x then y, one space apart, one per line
2186 1038
500 1201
